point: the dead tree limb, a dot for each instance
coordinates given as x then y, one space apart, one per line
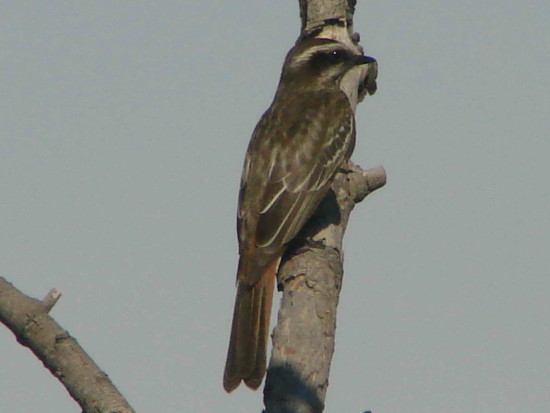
312 270
60 353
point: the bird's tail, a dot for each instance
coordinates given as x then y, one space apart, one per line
246 357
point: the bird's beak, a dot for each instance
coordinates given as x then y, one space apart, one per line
361 60
369 81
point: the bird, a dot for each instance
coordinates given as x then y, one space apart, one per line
296 148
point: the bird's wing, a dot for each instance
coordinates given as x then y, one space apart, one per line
300 172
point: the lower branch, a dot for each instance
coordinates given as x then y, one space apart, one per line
60 353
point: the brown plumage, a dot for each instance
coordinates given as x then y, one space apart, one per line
295 151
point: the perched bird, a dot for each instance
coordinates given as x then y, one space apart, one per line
293 155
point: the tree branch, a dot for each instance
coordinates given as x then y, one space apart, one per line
60 353
311 274
310 279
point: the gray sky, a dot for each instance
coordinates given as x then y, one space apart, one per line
122 133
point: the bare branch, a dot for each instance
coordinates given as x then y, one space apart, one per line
60 353
51 299
311 279
311 274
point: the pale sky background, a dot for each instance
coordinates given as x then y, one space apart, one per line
123 127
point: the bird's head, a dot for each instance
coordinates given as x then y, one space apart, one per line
320 62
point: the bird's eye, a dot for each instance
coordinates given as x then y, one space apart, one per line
336 56
324 59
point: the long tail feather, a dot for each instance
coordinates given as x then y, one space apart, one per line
246 357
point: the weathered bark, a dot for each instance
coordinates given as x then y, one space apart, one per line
60 353
311 279
312 270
